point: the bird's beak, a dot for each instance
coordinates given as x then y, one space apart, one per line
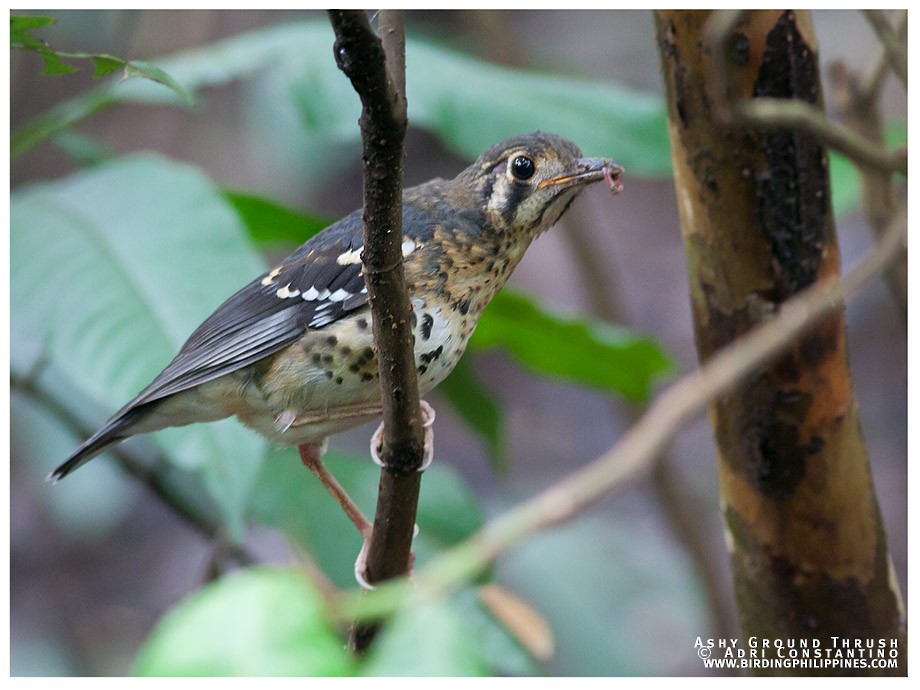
585 171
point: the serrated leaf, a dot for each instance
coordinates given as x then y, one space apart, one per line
272 225
21 25
54 64
478 408
582 351
105 64
257 622
111 270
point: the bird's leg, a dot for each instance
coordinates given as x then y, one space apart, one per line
428 449
310 456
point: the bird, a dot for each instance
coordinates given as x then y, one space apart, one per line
292 353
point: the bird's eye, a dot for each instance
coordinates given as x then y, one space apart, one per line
522 168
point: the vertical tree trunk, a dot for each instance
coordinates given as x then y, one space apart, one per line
807 545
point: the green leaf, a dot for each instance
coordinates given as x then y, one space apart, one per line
257 622
21 26
111 270
478 408
147 70
84 150
272 225
54 65
105 64
427 638
591 353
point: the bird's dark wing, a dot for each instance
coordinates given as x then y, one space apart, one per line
315 286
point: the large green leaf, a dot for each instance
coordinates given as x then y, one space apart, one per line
259 622
272 225
111 270
469 103
592 353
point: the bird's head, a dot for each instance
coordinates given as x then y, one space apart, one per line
527 182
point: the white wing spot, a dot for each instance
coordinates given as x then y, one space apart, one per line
269 279
286 292
352 256
339 295
310 294
408 246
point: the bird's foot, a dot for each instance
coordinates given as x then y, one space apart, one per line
361 563
428 415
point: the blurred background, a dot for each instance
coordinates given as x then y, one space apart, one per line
95 564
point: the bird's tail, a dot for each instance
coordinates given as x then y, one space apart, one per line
118 428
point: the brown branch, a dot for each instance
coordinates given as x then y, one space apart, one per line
360 54
635 452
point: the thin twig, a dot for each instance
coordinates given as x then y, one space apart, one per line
888 37
634 453
798 115
875 76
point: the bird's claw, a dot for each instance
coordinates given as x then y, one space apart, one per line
361 562
428 415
